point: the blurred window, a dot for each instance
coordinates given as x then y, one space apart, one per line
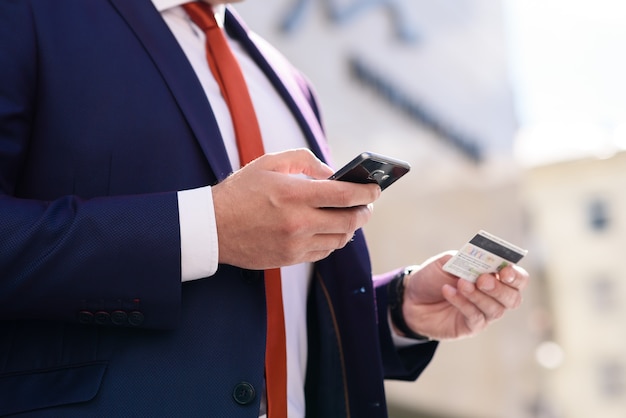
599 219
612 376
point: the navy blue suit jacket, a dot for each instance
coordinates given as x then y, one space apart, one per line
102 121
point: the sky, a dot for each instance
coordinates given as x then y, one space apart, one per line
568 64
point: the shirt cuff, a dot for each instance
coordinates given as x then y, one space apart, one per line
198 234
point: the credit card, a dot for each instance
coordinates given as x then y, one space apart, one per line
484 253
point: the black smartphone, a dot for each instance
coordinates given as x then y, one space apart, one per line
369 167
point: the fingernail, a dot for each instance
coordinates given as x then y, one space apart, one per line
487 284
466 286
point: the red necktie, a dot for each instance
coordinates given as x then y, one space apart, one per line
248 135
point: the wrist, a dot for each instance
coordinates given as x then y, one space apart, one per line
395 294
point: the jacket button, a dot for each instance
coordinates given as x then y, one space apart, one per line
85 317
119 317
244 393
135 318
102 318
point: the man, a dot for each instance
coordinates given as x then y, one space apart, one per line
131 258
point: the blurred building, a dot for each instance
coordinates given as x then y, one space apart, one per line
425 81
577 212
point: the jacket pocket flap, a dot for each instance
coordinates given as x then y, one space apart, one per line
38 389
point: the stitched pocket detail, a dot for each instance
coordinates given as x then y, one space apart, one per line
27 391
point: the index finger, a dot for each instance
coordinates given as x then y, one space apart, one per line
342 194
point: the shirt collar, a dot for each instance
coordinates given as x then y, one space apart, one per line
162 5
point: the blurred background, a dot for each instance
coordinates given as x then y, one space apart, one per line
512 114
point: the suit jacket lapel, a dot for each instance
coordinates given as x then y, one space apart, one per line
288 82
152 31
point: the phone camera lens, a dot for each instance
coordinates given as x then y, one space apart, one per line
379 175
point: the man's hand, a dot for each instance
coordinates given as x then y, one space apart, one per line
280 210
442 306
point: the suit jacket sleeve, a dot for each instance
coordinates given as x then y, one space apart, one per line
405 363
64 255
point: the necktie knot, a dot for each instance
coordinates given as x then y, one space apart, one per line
201 14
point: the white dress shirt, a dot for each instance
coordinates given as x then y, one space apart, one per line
199 244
